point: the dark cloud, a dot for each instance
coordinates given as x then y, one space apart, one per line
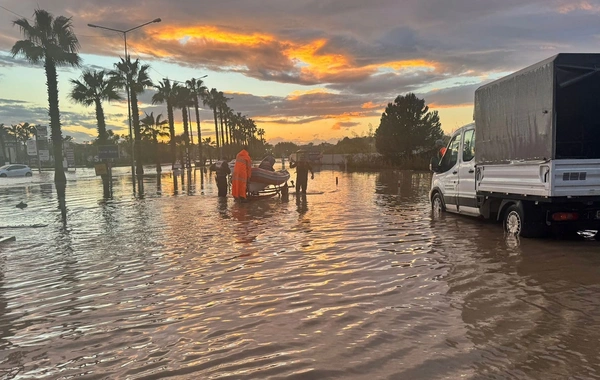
342 45
453 96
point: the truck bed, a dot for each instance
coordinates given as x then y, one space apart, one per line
545 179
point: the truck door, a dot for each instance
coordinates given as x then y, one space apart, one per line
467 198
448 175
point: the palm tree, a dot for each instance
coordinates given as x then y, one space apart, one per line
155 128
13 131
138 78
24 133
166 93
183 100
210 145
198 91
261 133
229 116
3 137
212 100
52 41
222 104
93 88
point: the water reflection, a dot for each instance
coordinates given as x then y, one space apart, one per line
301 205
361 283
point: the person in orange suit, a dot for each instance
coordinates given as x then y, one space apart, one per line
242 171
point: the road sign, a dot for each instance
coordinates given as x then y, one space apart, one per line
101 169
108 151
42 132
31 148
44 155
70 155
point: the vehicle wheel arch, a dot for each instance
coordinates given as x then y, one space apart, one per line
434 191
504 205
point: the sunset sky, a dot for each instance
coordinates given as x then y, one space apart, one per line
304 70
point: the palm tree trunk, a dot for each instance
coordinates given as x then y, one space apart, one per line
102 138
102 135
197 106
17 146
222 133
60 179
217 132
135 114
172 133
2 147
156 152
186 136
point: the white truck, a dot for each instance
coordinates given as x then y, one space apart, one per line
531 159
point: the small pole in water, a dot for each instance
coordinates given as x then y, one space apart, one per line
336 181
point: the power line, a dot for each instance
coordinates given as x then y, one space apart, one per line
14 13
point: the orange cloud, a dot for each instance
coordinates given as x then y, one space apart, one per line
576 6
371 105
263 55
295 95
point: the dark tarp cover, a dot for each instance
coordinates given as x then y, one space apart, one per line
515 115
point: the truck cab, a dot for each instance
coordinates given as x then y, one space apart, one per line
453 182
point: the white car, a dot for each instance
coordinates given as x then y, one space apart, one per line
15 170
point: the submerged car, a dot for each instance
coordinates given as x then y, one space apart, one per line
15 170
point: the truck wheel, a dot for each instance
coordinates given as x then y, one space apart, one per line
516 223
437 205
513 220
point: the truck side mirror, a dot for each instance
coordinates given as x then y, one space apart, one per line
434 164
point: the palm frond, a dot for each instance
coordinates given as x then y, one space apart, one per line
32 52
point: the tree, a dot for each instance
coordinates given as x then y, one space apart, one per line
198 91
136 75
13 131
406 127
24 133
284 149
183 100
3 136
52 41
222 106
261 133
93 88
155 128
210 146
212 100
165 94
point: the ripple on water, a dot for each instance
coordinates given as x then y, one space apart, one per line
358 282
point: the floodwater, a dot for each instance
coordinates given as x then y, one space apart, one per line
356 283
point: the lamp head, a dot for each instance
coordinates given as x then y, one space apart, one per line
157 20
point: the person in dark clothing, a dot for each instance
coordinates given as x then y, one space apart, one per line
268 163
222 170
302 168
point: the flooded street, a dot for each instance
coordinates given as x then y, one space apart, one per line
356 283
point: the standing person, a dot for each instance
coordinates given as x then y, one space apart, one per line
242 171
222 171
302 168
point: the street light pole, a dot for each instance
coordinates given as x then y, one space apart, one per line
127 88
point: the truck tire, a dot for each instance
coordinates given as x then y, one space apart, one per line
437 205
517 223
